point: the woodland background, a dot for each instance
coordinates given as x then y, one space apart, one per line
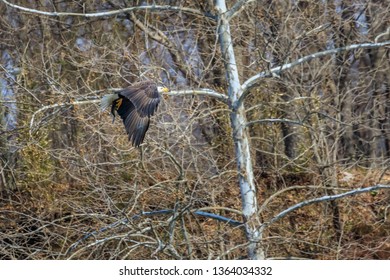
72 186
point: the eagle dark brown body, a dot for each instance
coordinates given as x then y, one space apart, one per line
135 105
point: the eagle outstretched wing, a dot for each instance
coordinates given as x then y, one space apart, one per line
135 125
144 96
135 105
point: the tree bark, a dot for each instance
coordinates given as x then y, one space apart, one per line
240 138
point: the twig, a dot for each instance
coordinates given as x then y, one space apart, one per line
238 7
159 36
387 32
274 121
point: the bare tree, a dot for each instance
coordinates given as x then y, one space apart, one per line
292 89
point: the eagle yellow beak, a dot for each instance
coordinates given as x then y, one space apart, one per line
163 89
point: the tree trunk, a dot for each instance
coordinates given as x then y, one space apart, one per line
241 138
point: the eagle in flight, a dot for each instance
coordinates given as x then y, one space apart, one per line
135 105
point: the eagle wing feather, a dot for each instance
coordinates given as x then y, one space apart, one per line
144 96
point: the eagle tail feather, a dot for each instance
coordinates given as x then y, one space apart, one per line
107 101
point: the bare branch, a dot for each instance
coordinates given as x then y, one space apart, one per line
274 121
201 91
204 91
107 13
238 7
322 199
387 32
254 80
220 208
152 213
156 35
159 36
51 106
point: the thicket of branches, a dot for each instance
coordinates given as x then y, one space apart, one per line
73 187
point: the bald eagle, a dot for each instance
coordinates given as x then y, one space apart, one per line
135 105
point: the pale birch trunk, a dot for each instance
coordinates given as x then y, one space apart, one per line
240 137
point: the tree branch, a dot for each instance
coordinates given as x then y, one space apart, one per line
201 91
149 214
254 80
322 199
274 121
387 32
107 13
51 106
238 7
160 37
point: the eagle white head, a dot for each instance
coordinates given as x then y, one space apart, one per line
162 89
